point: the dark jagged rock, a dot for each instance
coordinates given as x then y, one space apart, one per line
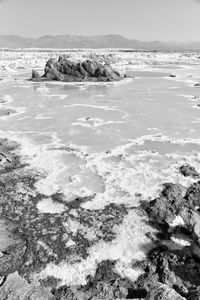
163 292
65 70
35 76
176 266
173 201
194 295
164 209
187 170
193 195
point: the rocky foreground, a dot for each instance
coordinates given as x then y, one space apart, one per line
170 271
68 71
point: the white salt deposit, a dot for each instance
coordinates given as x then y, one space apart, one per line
128 246
48 206
178 221
180 242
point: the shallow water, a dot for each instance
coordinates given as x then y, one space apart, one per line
118 127
118 142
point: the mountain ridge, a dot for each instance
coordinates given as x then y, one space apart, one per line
91 42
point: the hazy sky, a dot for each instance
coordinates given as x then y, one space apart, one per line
166 20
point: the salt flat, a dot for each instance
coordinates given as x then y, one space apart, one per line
112 145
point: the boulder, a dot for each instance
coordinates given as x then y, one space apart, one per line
165 208
35 76
193 195
189 171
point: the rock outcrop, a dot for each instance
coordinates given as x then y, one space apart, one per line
66 70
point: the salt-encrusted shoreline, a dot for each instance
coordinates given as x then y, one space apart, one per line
40 246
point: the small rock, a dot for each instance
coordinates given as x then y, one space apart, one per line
188 170
35 76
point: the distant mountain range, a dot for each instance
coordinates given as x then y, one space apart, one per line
92 42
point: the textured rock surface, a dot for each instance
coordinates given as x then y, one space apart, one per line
175 262
164 209
69 71
163 292
15 287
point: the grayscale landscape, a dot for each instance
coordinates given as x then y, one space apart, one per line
99 153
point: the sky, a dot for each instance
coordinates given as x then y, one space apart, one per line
164 20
